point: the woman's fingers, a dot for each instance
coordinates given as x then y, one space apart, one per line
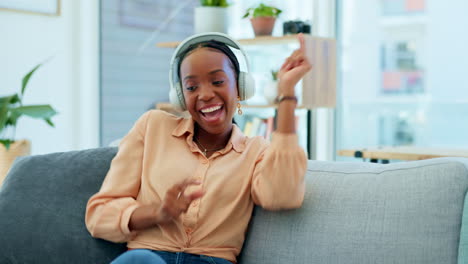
178 189
188 199
302 46
176 201
298 55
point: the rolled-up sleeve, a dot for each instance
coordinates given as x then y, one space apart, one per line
278 179
108 211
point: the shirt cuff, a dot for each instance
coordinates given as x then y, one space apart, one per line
126 214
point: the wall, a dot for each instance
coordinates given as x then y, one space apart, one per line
134 71
69 79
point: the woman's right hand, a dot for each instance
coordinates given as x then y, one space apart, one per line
176 201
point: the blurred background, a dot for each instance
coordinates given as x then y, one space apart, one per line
401 68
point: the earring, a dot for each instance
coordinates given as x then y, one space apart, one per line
239 110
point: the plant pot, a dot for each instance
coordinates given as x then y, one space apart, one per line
211 19
7 157
263 26
270 91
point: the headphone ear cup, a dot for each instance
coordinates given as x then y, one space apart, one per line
246 86
174 97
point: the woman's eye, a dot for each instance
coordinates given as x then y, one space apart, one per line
218 82
191 88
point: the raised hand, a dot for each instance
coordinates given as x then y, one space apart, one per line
176 201
293 68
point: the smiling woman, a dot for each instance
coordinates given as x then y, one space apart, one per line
185 187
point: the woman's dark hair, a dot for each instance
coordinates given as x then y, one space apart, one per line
214 45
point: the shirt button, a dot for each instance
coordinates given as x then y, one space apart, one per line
204 161
195 203
188 230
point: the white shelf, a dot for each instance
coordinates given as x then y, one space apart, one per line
403 20
265 40
394 99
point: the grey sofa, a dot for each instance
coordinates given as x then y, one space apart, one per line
409 212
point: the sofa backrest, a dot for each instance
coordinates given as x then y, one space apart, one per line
42 208
408 212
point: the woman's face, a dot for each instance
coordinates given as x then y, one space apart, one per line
210 89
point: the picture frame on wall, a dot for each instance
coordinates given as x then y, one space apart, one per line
38 7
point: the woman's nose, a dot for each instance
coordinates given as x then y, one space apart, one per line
206 93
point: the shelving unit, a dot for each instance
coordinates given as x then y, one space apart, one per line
264 40
318 86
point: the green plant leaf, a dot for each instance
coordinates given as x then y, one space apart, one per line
27 77
11 99
247 13
274 75
218 3
6 143
3 115
35 111
223 3
49 122
12 119
262 10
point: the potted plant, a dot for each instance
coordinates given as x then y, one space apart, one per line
11 109
211 16
263 18
271 88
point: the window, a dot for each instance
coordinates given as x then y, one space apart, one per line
403 74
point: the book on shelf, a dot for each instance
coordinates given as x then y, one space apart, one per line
262 128
270 127
254 126
247 128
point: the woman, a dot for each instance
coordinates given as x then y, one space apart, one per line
182 190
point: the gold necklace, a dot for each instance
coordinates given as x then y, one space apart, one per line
205 150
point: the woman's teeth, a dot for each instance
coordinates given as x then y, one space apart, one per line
211 109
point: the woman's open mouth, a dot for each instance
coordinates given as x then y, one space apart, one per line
212 113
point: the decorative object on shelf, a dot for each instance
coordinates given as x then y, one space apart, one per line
11 109
263 18
40 7
211 16
270 91
295 27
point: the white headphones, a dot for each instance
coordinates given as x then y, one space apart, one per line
245 84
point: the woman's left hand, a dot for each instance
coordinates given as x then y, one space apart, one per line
294 68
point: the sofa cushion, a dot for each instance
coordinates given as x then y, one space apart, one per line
42 208
406 212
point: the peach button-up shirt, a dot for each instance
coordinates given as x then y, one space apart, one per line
159 152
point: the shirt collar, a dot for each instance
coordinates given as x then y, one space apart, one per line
186 126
